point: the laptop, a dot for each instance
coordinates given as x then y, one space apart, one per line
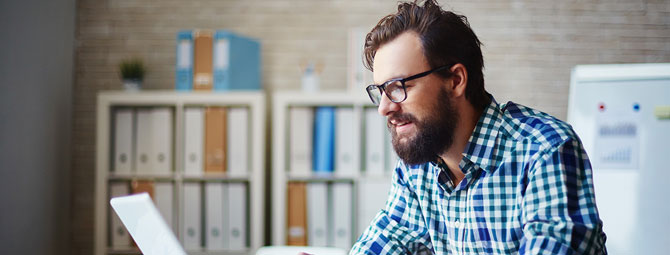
145 224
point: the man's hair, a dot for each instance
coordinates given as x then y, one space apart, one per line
446 39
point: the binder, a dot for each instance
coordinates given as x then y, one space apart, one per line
194 140
184 56
140 186
143 144
215 140
296 224
123 141
372 196
317 214
300 146
202 68
192 220
324 140
375 127
119 236
214 219
341 204
162 140
236 62
238 141
345 143
163 197
237 213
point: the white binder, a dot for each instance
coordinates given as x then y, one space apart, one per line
237 213
375 128
345 146
317 214
214 219
194 136
238 141
191 233
372 196
123 141
119 235
163 196
162 140
143 144
301 135
342 207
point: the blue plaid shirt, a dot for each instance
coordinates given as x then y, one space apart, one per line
528 189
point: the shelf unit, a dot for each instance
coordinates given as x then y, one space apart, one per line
281 176
178 102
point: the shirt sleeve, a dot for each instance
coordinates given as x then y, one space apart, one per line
559 209
399 227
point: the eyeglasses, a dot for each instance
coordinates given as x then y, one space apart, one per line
395 89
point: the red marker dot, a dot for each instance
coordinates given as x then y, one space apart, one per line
601 107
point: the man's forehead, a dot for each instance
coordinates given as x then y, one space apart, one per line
400 57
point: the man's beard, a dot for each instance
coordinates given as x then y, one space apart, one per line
434 135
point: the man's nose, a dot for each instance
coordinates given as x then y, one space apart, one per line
386 106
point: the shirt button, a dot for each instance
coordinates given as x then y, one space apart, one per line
457 224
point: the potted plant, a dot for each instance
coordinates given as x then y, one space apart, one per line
132 73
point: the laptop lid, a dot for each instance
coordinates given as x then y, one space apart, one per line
145 224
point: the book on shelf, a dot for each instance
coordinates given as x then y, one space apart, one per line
324 140
345 144
215 140
296 222
202 67
301 127
119 236
164 200
194 140
237 215
238 141
317 214
192 216
184 56
342 206
236 62
153 143
123 140
214 216
217 60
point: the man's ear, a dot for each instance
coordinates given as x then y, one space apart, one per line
459 80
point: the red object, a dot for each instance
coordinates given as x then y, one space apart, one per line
601 107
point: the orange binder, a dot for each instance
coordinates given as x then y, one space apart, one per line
139 186
297 214
203 65
215 140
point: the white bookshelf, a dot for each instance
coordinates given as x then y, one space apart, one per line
281 176
178 101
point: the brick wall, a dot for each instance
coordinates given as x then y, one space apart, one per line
529 50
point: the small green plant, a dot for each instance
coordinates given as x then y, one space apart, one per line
132 69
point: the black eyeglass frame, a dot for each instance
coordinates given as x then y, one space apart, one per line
382 87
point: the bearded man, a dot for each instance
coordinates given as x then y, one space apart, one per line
474 176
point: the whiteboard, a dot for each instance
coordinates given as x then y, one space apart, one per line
614 110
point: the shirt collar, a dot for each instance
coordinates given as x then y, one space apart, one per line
481 147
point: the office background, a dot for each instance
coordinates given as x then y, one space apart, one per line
56 55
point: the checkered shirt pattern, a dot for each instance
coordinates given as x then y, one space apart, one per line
528 189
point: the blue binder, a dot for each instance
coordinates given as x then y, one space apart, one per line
236 62
184 65
324 139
